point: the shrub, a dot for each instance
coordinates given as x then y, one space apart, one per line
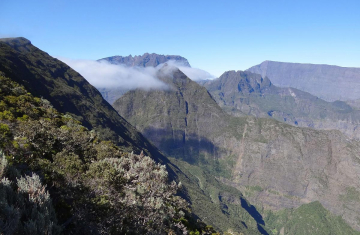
25 206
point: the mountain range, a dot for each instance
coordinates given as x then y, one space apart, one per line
327 82
243 93
241 173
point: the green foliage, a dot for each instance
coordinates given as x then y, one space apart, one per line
351 194
310 218
25 204
5 133
218 203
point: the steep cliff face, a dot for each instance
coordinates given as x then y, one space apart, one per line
277 165
294 165
245 93
325 81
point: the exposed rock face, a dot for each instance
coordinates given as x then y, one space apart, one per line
325 81
245 93
290 165
145 60
298 165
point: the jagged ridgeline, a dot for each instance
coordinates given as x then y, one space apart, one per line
57 177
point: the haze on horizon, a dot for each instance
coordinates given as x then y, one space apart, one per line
214 36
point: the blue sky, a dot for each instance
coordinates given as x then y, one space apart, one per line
213 35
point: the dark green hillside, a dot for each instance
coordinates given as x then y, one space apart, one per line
218 204
47 77
310 218
59 177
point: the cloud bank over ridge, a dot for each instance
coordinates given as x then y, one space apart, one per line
194 74
103 74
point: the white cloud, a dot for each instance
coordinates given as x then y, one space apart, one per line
102 74
194 74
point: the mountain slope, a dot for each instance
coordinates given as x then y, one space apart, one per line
246 93
310 218
145 60
59 177
67 91
325 81
171 119
47 77
275 165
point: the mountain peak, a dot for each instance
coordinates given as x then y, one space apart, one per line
241 80
16 40
20 44
172 75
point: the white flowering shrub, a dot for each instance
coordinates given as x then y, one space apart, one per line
139 188
25 206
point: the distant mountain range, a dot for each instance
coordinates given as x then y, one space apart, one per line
325 81
245 93
145 60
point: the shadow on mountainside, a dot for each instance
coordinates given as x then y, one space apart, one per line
255 214
191 148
